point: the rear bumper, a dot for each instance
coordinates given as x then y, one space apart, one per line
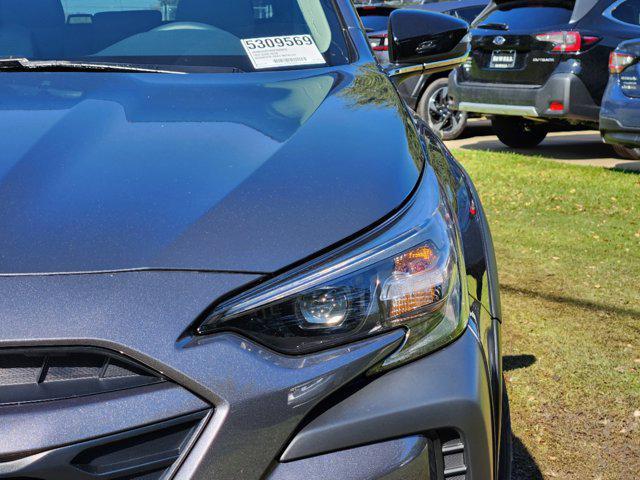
615 133
620 117
526 101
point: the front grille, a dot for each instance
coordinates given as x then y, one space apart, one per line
43 374
38 382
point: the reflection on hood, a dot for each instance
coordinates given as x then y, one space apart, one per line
207 172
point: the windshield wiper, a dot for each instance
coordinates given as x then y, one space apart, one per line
494 26
26 65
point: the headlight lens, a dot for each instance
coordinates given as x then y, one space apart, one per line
412 280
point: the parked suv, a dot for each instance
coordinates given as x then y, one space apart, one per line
620 113
541 64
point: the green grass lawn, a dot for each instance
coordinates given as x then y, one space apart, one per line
568 247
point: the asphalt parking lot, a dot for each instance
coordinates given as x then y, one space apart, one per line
577 148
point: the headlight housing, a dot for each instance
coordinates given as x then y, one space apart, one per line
406 274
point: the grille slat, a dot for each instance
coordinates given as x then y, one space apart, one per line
19 369
458 477
73 367
453 456
453 462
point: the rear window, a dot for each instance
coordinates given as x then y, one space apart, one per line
375 23
627 12
468 14
527 18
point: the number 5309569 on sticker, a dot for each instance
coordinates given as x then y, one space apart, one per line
282 51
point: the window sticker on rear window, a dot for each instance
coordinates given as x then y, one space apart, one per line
282 51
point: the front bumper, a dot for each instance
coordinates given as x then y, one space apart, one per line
248 401
525 100
443 393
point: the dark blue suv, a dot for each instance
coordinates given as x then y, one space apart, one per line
620 113
229 251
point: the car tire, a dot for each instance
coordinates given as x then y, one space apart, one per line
516 132
505 464
433 108
627 152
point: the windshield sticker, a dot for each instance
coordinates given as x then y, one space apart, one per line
283 51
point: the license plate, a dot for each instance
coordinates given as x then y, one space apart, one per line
503 59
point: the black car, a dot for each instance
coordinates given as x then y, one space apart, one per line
207 273
538 65
427 92
620 112
375 19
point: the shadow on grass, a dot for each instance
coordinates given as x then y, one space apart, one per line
515 362
628 166
524 466
576 302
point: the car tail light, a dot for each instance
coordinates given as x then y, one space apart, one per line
556 106
380 43
568 41
619 61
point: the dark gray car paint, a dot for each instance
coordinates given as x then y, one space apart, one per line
208 172
446 389
480 265
400 459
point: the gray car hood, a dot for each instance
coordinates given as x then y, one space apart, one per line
228 172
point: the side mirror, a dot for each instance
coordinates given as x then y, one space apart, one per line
421 37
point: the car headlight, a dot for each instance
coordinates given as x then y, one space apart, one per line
389 280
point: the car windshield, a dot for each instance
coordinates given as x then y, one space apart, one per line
196 35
